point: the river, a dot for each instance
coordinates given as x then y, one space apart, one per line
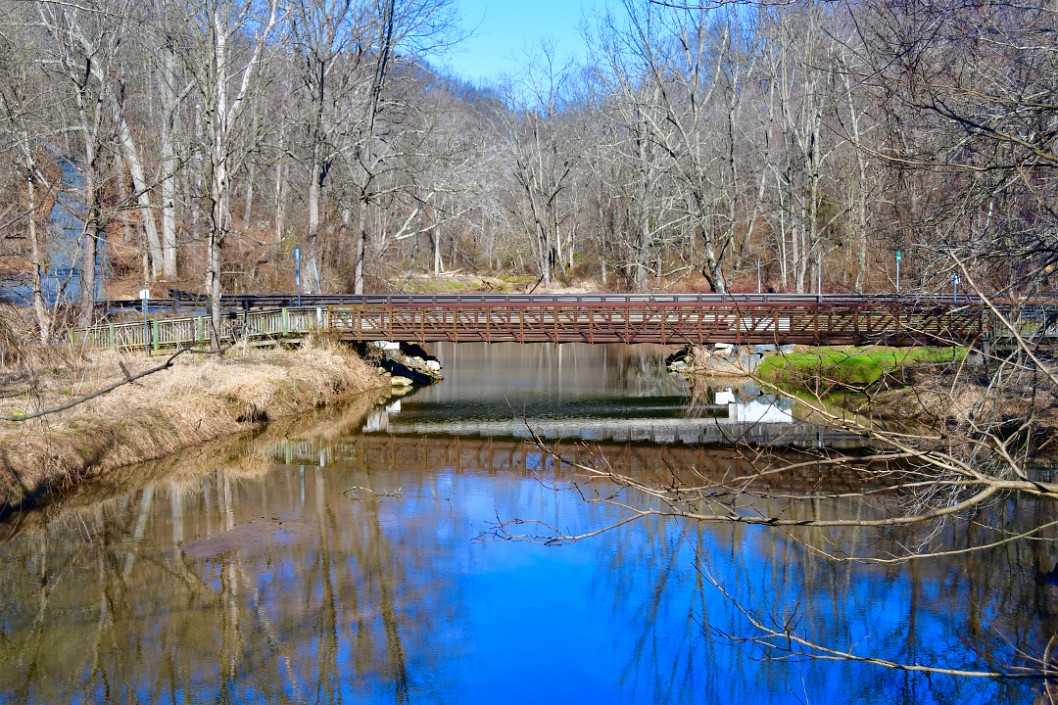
354 557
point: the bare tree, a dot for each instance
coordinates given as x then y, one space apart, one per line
172 90
331 39
971 99
76 62
543 157
222 50
22 116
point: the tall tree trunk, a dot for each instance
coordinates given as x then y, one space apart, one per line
435 240
170 163
361 248
218 190
279 188
195 226
383 56
40 307
315 179
860 190
89 251
280 196
222 114
131 156
91 225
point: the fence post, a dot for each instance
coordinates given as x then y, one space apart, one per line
155 329
285 318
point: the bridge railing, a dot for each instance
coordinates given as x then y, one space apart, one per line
247 302
599 321
194 331
676 319
1032 320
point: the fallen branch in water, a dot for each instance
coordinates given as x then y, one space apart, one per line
352 493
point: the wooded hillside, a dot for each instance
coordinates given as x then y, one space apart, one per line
214 137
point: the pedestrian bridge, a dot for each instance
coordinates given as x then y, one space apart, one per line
767 319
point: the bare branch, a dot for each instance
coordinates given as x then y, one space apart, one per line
129 379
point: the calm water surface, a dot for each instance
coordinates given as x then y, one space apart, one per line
351 561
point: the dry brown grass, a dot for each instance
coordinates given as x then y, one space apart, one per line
199 398
961 402
20 346
245 456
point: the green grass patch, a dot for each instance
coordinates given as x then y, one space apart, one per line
851 366
436 286
517 281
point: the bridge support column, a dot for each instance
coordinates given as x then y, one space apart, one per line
978 354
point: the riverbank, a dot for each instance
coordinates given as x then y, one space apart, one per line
909 387
197 399
832 370
932 390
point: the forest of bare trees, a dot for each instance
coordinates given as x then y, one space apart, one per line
794 145
807 140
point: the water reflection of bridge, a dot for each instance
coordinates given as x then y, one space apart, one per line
496 455
697 431
733 417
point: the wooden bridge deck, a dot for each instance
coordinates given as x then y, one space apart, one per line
676 319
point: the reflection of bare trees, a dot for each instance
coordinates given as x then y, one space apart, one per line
729 607
224 588
286 587
837 520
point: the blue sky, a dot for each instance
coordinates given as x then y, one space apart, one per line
504 30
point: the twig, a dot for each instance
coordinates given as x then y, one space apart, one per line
99 392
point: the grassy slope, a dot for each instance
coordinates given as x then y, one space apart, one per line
196 400
848 366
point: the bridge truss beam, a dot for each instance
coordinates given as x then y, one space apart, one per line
666 320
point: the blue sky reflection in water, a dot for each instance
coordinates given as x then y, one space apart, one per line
390 600
294 583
